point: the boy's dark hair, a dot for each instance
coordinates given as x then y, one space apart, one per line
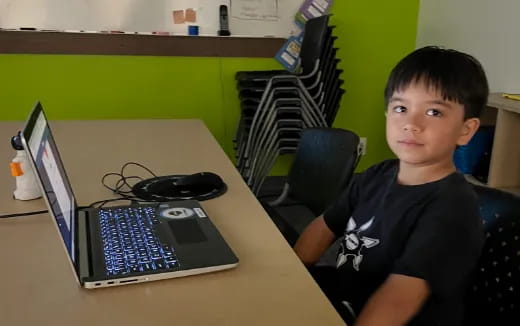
458 76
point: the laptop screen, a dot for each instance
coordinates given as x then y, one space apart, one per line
40 145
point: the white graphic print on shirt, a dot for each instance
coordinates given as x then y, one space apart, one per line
354 242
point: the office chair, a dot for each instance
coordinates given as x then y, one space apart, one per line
276 148
494 296
252 84
282 108
264 118
315 92
273 129
284 141
310 112
250 135
316 31
322 167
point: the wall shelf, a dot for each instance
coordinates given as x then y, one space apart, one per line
37 42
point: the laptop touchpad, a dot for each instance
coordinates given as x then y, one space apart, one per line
187 230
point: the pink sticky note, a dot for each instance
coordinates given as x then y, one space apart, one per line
178 17
191 15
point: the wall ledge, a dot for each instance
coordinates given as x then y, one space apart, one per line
37 42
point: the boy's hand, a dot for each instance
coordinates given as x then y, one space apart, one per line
398 299
314 241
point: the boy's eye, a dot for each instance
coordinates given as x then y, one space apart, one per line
434 113
399 109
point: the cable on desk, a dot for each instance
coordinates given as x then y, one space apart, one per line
23 214
120 184
117 189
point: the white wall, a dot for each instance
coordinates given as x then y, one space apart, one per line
487 29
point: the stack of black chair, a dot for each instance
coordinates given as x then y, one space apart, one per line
276 105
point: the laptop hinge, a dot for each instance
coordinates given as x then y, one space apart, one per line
85 266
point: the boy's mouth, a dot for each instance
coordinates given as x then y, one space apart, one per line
409 142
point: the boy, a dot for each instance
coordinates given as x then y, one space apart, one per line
410 228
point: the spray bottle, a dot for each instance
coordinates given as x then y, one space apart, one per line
26 186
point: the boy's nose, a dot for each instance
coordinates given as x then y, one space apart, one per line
411 127
413 123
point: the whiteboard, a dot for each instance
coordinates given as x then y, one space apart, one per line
145 16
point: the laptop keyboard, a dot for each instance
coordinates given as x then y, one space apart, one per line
129 242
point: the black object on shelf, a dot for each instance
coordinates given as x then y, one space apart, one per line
224 21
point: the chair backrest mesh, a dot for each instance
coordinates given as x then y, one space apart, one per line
494 296
323 165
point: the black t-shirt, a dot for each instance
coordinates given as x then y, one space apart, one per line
431 231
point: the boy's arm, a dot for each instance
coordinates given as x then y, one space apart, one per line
314 241
396 301
319 235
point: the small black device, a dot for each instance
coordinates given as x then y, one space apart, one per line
224 21
199 186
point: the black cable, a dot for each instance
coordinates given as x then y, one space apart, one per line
122 186
24 214
140 165
118 189
122 182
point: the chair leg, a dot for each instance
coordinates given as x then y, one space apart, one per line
282 196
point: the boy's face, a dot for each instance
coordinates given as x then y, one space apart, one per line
423 129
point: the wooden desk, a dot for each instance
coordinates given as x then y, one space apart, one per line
504 170
37 287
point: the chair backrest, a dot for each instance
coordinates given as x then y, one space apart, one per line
494 296
314 39
322 167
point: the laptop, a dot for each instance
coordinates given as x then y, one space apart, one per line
119 245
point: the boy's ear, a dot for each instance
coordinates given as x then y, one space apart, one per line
469 128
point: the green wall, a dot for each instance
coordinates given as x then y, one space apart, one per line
371 38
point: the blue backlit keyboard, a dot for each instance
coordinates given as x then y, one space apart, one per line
129 242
